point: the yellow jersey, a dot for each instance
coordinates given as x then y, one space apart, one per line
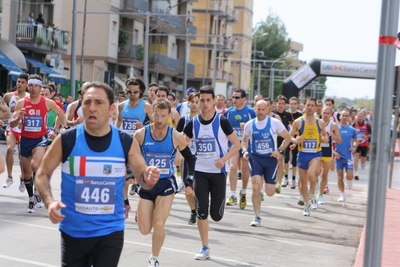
311 137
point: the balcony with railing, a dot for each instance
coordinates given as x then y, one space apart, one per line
164 61
232 15
137 5
218 7
160 13
189 68
133 52
41 37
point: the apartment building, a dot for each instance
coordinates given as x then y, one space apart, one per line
212 49
30 45
115 41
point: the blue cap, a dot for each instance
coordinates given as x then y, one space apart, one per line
191 90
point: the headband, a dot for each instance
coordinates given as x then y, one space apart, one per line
35 81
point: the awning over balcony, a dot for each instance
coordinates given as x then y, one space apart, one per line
13 69
119 81
53 75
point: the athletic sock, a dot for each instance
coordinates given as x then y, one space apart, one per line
294 177
126 202
29 188
286 176
233 193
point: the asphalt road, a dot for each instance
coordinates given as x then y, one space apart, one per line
329 237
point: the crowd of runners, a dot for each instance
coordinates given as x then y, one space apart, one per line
161 146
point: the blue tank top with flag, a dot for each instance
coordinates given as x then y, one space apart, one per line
262 142
91 188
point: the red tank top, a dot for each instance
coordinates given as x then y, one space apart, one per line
362 130
34 124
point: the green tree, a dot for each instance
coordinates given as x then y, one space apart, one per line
271 38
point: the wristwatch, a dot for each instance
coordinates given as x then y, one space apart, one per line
281 151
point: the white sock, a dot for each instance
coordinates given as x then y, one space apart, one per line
243 191
233 193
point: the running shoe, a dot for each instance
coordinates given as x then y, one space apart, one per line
21 185
349 184
285 182
232 201
181 186
356 177
132 191
362 166
127 209
278 188
306 211
239 175
192 219
320 199
326 190
342 198
38 201
204 254
153 262
8 183
256 221
301 201
293 184
243 201
314 204
31 205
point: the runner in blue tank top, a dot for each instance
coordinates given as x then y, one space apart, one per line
238 115
131 117
159 143
91 213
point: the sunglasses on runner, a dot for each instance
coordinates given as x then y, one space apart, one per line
132 91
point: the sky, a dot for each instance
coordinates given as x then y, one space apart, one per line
345 30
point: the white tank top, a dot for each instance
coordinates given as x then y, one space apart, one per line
13 101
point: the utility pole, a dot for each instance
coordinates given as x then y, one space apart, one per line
83 44
73 49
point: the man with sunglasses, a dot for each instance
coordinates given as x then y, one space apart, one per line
238 115
131 116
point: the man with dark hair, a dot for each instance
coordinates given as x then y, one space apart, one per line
163 92
13 134
238 116
159 144
131 117
151 91
90 211
211 131
74 110
31 112
311 133
364 131
228 103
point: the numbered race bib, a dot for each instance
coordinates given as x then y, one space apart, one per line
95 196
205 147
33 123
239 132
263 146
161 161
325 145
310 145
129 125
360 133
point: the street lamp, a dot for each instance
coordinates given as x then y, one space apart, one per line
254 63
272 73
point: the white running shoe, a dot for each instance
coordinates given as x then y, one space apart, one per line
314 204
320 200
285 182
256 221
342 198
132 190
204 254
306 211
181 186
153 262
31 205
8 183
21 186
349 184
38 200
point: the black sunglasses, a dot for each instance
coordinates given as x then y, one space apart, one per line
132 91
236 97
